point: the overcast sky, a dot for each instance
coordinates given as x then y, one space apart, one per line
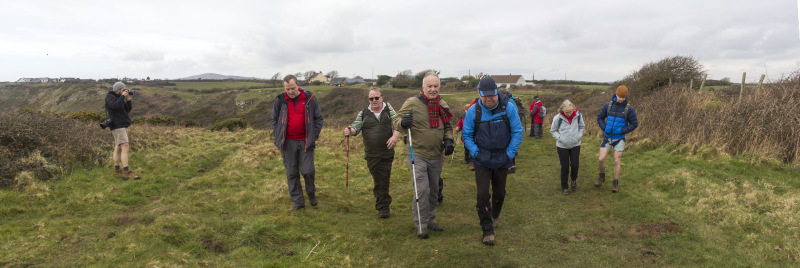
584 40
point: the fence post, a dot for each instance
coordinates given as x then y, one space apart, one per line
744 74
691 84
702 84
760 81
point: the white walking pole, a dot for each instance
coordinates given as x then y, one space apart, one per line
414 174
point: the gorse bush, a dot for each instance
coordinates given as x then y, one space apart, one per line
46 145
231 124
87 116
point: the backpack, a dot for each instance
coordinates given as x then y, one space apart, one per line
624 113
479 113
542 111
562 119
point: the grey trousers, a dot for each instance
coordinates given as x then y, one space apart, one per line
426 172
537 130
297 162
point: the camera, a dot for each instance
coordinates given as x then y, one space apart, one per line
106 123
130 92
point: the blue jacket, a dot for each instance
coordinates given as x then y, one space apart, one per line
612 124
493 143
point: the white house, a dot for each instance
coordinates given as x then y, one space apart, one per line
509 80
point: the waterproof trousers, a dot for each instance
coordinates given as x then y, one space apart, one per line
296 161
484 178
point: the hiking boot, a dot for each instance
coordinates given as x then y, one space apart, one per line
423 234
574 186
471 166
129 175
615 186
512 170
313 199
565 192
297 207
117 172
600 180
383 214
435 227
488 240
495 222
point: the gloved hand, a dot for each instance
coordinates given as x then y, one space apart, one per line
406 121
449 147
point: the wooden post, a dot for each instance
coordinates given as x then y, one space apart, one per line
702 84
691 84
760 81
670 81
741 90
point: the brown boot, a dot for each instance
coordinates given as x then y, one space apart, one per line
471 166
615 186
600 180
117 172
129 175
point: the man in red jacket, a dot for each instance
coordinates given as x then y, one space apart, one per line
296 124
536 128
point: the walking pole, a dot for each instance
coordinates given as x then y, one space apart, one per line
414 174
347 175
454 146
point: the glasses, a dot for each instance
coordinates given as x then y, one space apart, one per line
374 98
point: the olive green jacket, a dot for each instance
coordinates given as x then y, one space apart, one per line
428 142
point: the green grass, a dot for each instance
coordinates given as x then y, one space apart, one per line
166 92
220 199
593 86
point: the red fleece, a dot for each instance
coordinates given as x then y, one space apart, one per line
569 119
296 122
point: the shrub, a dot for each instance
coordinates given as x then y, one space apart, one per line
231 124
87 116
654 75
45 144
155 120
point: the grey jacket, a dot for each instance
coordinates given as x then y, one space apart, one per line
567 135
313 120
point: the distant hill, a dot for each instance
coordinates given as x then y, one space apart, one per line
211 76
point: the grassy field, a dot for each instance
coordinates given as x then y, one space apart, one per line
220 199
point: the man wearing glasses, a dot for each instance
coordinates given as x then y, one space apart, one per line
379 140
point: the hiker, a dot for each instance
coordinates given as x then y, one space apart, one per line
493 133
517 103
460 127
379 140
567 128
616 119
427 117
119 103
296 124
537 118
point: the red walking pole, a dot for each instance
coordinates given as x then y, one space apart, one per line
347 175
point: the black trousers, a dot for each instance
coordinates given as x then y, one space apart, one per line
381 170
484 178
570 159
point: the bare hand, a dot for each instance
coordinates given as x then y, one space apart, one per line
347 131
392 141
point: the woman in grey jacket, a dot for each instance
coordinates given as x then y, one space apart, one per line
567 129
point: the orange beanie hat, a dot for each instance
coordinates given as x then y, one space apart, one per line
622 91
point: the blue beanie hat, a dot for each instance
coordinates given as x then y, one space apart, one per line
118 86
487 87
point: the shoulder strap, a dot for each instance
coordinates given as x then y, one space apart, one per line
625 112
366 110
608 111
478 114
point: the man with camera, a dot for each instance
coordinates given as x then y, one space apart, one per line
118 106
